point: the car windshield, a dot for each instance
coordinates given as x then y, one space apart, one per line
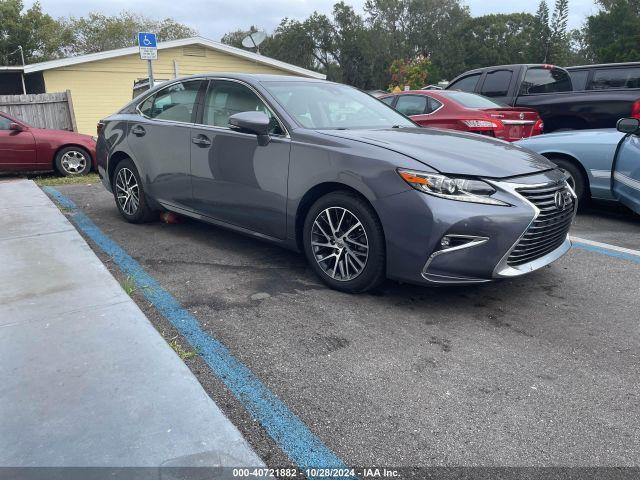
323 106
471 100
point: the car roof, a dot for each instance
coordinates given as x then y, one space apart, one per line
604 65
254 77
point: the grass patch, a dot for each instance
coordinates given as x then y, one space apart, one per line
179 349
128 285
53 180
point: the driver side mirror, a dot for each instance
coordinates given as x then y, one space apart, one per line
16 127
256 123
628 125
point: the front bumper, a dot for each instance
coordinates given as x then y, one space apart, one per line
483 235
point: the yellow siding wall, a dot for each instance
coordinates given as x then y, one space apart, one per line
101 88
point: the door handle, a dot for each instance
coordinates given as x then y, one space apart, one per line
201 141
138 131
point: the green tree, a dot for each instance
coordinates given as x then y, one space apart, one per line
559 40
613 34
497 39
98 32
41 36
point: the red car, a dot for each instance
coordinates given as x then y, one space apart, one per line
24 148
468 112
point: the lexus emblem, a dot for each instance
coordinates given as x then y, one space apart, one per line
521 116
562 199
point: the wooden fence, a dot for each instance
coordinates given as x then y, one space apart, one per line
42 110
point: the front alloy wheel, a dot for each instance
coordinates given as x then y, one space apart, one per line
344 242
339 243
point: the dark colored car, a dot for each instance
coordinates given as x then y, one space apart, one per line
329 170
24 148
467 112
549 90
606 76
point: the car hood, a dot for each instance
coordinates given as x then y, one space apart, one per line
452 152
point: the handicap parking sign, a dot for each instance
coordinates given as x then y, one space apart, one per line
148 46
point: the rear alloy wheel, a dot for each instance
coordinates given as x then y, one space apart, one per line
129 193
71 161
344 242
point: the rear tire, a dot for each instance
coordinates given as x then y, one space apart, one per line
576 177
344 242
129 195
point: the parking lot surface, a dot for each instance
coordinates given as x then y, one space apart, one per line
539 370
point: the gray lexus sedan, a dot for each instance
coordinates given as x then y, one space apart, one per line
331 171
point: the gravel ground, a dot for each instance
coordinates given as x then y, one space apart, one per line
540 370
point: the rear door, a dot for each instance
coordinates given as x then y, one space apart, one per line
626 173
497 84
17 148
161 140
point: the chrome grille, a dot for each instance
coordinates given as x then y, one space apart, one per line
549 230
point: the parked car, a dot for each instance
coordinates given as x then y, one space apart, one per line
549 90
606 76
329 170
24 148
602 164
467 112
377 93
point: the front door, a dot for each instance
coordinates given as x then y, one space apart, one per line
626 172
17 148
234 179
161 138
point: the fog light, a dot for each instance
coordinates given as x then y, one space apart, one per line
445 242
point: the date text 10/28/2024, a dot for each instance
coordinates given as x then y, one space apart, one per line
329 473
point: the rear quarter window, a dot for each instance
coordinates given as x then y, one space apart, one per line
545 80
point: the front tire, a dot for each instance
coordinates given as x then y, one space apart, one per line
129 195
73 161
575 177
344 242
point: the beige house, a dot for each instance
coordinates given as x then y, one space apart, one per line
101 83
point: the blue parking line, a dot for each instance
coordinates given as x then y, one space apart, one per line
303 447
605 251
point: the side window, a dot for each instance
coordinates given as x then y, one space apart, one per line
579 79
466 84
4 123
411 104
225 99
433 105
545 80
496 84
388 100
616 78
176 102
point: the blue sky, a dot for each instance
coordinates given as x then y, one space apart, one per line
213 18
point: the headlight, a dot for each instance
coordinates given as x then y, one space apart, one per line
461 189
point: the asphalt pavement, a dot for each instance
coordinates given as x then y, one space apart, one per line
538 370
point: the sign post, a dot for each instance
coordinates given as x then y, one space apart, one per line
148 51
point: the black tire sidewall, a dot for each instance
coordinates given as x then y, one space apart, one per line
143 213
374 271
576 173
63 172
